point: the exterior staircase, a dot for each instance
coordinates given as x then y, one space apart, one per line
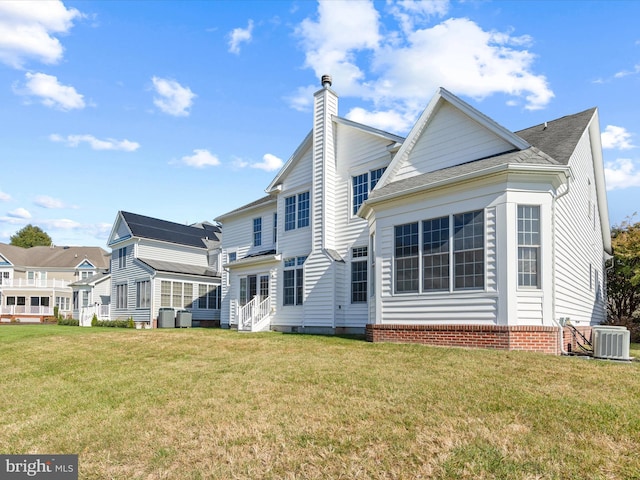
255 316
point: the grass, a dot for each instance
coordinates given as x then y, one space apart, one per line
215 404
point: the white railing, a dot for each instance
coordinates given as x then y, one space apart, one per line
33 283
254 316
86 314
26 310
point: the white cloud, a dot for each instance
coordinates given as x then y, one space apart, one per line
4 197
45 201
201 158
21 213
51 92
95 143
616 137
59 223
626 73
27 30
622 173
269 163
239 36
398 70
410 12
173 99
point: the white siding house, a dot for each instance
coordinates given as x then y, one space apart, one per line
464 233
159 264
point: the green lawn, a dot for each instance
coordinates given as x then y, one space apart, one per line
216 404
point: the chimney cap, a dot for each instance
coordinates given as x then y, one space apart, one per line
326 81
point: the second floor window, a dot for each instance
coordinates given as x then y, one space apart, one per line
296 211
122 257
363 184
257 231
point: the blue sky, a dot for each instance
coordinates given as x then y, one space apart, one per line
186 110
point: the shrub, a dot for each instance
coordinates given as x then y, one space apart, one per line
68 321
94 320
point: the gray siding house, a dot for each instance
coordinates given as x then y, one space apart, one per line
160 264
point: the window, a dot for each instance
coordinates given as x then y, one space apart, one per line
435 254
359 275
296 211
257 231
360 190
232 257
85 298
290 213
293 280
363 184
176 294
528 246
406 258
85 275
122 257
426 266
4 278
62 303
213 297
11 301
121 296
143 294
165 293
275 228
468 250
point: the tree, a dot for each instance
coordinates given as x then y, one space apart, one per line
623 275
31 236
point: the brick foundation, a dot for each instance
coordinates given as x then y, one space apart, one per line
571 344
501 337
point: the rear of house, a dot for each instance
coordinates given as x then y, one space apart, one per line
464 233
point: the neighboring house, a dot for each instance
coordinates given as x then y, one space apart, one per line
159 264
35 280
92 296
464 233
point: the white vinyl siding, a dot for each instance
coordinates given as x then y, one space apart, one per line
451 139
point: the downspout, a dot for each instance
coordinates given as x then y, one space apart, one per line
553 267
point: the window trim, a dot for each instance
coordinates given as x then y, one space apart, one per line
297 211
529 245
368 180
293 265
360 259
257 231
414 257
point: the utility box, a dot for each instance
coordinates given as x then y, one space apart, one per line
611 342
166 318
183 319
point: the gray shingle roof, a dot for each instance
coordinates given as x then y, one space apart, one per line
552 144
156 229
173 267
54 257
559 137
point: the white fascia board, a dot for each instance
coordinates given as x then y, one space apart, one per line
601 187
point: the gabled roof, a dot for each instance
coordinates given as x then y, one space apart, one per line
441 97
92 280
201 236
308 142
248 207
530 156
54 257
558 138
